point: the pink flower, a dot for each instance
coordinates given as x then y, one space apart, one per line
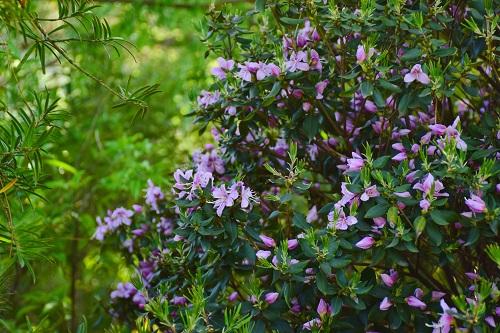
385 304
339 220
224 198
315 60
297 61
490 321
425 204
224 66
405 194
446 319
270 298
360 54
370 192
233 296
247 196
320 88
366 243
312 215
292 244
437 295
261 254
316 322
207 98
355 163
268 241
415 302
416 73
389 279
437 129
323 308
379 221
431 187
475 204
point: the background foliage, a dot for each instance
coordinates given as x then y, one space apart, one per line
97 155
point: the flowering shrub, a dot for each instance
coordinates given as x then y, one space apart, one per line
354 186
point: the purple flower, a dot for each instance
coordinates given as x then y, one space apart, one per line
416 73
316 322
415 302
365 243
490 321
385 304
389 279
224 66
437 295
339 220
247 69
268 241
231 110
370 192
270 298
120 216
312 215
292 244
323 308
261 254
165 226
297 61
425 205
315 60
208 98
209 162
101 229
360 54
355 163
224 198
123 290
137 208
153 195
430 187
446 319
476 204
437 129
320 88
379 221
247 196
233 296
179 300
139 300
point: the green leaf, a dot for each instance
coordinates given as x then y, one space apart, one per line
392 215
366 89
380 162
419 225
311 126
299 220
445 52
336 304
411 54
340 262
323 285
403 104
389 86
434 234
291 21
443 217
260 5
377 211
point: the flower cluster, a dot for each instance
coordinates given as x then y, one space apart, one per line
354 186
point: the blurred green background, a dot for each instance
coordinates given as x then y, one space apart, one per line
102 156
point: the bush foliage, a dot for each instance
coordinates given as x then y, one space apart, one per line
354 184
